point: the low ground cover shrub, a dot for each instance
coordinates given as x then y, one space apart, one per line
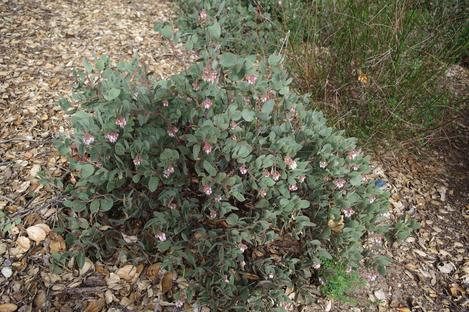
221 173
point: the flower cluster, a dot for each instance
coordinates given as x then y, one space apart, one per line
207 103
112 137
340 183
168 171
207 189
88 139
137 160
203 16
290 163
207 148
172 131
121 122
161 236
210 75
251 79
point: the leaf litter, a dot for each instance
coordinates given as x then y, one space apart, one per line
41 43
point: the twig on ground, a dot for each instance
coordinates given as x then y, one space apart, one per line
11 201
17 140
57 199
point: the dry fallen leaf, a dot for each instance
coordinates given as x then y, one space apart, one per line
15 251
129 239
167 282
95 306
87 266
57 243
108 296
134 297
113 281
127 272
36 233
456 290
380 295
40 299
446 267
250 276
8 307
336 227
23 187
32 219
153 270
23 243
7 272
403 309
44 227
34 170
328 306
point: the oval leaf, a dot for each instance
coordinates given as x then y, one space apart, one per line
153 183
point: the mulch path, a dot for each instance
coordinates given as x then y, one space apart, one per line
40 44
42 41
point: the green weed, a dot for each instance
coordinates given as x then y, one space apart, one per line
339 283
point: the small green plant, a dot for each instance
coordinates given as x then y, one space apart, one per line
339 282
404 228
6 223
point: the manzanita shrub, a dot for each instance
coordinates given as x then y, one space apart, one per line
220 173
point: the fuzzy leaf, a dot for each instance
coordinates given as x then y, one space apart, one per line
248 115
86 170
111 94
214 30
209 168
232 219
268 107
153 183
274 59
106 204
228 59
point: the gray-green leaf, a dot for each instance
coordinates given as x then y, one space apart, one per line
111 94
209 168
228 59
248 115
268 107
106 204
232 219
214 30
153 183
86 170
